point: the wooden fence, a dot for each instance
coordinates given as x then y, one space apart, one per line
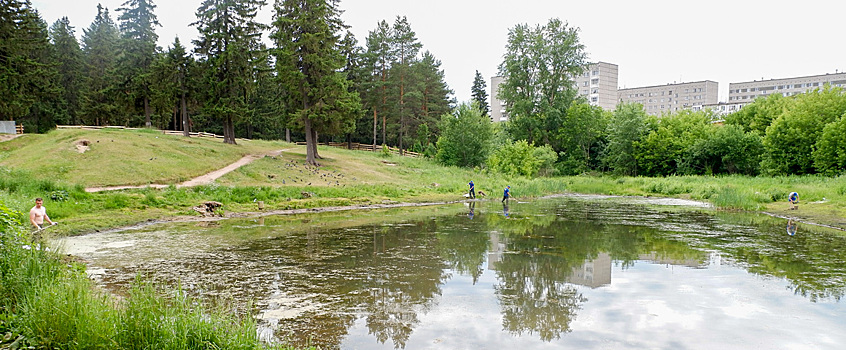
166 132
19 129
365 147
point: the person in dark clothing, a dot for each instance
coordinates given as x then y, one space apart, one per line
506 194
472 190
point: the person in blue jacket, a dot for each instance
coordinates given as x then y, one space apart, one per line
793 198
472 190
506 193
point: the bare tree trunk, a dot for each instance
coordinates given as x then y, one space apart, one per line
314 145
287 135
310 141
228 131
147 122
186 130
375 122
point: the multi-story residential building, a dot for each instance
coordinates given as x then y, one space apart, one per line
723 109
598 85
671 97
498 113
746 92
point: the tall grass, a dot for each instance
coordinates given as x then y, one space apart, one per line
47 303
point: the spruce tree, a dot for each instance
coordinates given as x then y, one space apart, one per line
100 43
228 40
138 34
479 92
405 48
23 70
308 61
69 66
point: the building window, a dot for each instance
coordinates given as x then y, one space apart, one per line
593 99
585 83
595 73
594 81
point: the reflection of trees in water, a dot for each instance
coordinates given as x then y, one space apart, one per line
534 296
405 275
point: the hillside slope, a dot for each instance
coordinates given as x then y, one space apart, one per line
122 157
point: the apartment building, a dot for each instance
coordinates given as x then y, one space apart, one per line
746 92
659 99
598 85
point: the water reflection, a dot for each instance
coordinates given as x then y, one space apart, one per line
378 283
791 227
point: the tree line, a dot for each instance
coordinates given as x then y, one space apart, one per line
316 81
551 130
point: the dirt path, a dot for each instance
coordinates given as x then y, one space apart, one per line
199 180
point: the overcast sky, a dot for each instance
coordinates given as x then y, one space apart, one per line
654 42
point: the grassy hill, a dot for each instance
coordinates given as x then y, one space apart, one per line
122 157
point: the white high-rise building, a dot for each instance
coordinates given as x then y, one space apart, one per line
671 97
597 84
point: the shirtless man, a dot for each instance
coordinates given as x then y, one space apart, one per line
38 214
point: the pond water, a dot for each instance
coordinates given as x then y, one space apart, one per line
569 272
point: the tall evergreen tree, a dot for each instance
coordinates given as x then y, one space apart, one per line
100 43
479 92
228 39
431 92
137 25
308 61
41 80
69 66
405 49
378 59
23 39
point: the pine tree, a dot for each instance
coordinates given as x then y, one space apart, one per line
405 48
434 93
228 39
69 68
138 33
308 61
378 59
100 43
479 92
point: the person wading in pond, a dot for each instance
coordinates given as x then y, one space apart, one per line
506 193
472 190
38 214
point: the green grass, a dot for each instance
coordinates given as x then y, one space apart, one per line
123 157
49 303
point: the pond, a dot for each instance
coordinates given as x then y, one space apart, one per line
567 272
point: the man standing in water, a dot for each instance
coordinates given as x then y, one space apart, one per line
38 214
506 194
472 190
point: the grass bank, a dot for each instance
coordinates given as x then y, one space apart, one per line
47 302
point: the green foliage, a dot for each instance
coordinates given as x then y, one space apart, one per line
521 158
659 153
625 129
580 135
308 63
228 48
479 93
431 151
465 137
537 85
386 152
792 137
830 153
100 46
758 115
725 150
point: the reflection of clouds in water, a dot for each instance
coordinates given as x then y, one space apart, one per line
718 308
